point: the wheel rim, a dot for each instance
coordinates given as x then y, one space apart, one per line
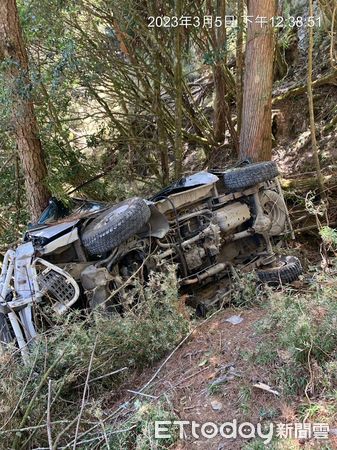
273 207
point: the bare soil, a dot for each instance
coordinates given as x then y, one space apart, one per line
215 349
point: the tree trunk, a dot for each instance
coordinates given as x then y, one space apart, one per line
255 136
23 121
219 77
239 64
160 132
178 139
219 107
311 107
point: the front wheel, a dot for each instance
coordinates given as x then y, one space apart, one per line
115 226
285 270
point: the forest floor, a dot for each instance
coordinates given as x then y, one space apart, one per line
215 348
211 378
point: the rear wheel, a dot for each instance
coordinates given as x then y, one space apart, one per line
285 270
246 176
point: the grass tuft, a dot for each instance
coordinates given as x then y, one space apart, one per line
302 333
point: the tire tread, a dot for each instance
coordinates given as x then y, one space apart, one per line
284 274
117 231
247 176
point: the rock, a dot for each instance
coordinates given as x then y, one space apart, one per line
235 320
216 406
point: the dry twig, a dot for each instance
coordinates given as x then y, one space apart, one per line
84 393
48 424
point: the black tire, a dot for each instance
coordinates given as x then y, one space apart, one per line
115 225
286 270
249 175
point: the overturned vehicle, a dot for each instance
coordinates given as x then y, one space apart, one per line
91 254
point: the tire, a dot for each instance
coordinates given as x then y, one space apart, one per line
115 225
247 176
287 270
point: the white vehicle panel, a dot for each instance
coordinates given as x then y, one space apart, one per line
63 240
50 231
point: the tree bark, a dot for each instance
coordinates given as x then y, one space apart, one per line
178 139
23 120
255 136
239 65
219 77
160 131
219 106
311 107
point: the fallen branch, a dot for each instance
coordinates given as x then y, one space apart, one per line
48 423
104 376
330 78
33 427
189 377
142 394
86 387
306 183
312 227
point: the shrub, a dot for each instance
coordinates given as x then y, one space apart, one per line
139 434
246 291
66 352
304 334
329 237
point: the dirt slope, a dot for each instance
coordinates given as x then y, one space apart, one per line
219 350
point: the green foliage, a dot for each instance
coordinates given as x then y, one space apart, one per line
265 354
134 341
140 428
245 396
308 411
303 330
258 444
246 291
329 237
104 90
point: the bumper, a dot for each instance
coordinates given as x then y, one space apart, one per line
24 281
